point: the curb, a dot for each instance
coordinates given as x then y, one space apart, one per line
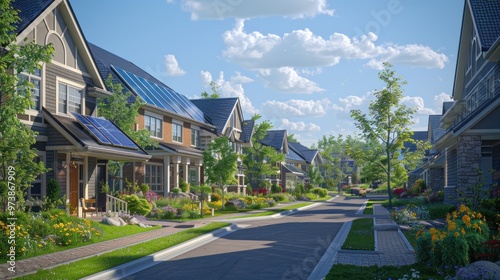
326 262
135 266
407 243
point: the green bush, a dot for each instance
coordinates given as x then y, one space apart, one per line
418 187
276 188
137 205
279 197
144 188
183 186
52 199
439 210
176 190
216 197
319 192
299 190
455 250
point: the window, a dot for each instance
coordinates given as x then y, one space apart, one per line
154 177
36 80
153 125
35 192
177 132
70 99
195 137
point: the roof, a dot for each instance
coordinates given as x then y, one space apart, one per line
435 128
417 136
275 139
292 169
447 105
218 110
302 151
75 133
179 149
142 84
247 130
29 11
486 15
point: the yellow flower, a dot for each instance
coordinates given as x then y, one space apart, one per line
432 231
40 245
463 231
457 234
67 234
463 208
466 220
479 216
451 226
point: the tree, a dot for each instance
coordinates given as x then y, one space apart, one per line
123 113
215 92
220 162
16 139
260 160
291 138
314 175
388 121
332 151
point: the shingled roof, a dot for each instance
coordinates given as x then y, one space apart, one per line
275 139
486 15
29 11
218 110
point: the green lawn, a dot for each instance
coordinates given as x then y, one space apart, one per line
343 271
361 236
92 265
369 208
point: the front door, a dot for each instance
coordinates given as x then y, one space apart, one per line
73 188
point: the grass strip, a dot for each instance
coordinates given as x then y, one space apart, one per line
361 235
369 208
411 236
95 264
275 211
344 271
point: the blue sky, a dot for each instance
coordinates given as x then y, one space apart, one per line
301 64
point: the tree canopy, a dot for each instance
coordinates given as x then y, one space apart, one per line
215 92
388 121
16 96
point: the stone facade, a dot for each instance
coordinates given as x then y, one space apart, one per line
436 179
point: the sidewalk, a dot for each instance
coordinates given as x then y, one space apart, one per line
391 246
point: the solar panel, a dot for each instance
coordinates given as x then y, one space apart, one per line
91 129
159 95
105 132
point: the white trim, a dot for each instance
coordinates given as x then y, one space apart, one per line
37 21
174 123
73 84
78 71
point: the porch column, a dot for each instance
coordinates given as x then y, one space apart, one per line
186 170
68 162
176 161
85 177
199 163
166 175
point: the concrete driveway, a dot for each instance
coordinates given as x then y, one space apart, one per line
286 248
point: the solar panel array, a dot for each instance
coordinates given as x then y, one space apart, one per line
159 95
104 131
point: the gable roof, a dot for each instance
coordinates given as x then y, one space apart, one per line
276 139
32 12
143 85
486 14
218 110
435 129
29 11
247 130
303 152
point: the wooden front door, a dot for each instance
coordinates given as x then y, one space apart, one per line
73 189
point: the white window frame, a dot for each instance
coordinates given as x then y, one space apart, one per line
151 181
38 77
195 138
154 133
69 84
175 125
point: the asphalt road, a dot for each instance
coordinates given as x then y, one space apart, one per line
286 248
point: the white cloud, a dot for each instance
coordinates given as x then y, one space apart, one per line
350 102
231 88
295 108
418 103
298 126
287 80
302 48
172 66
220 9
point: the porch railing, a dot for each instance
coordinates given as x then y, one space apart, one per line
116 205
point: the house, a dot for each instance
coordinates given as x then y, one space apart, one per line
278 140
74 143
297 163
472 137
177 124
227 117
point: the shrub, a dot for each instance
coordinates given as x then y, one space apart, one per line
183 186
299 190
276 189
176 190
52 200
216 197
458 243
279 197
419 187
144 188
439 210
319 192
399 192
137 205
